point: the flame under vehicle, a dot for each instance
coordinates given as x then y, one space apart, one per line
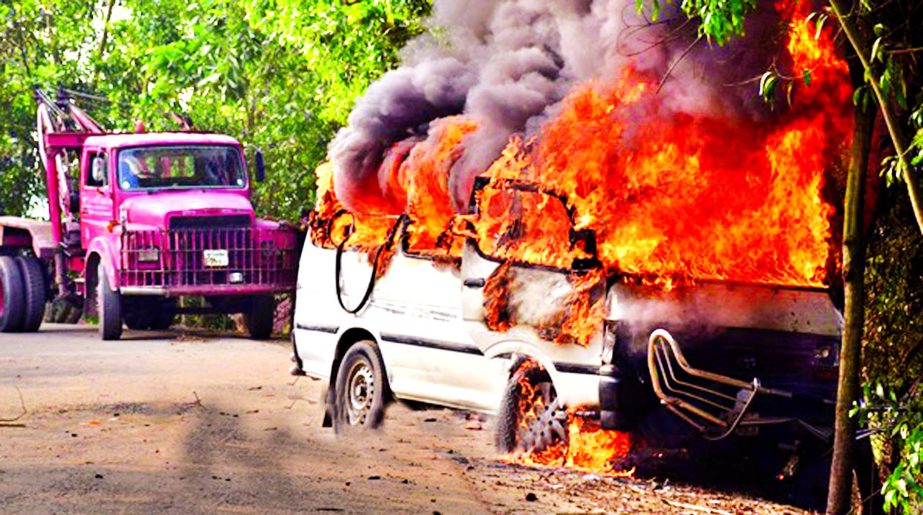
138 220
710 360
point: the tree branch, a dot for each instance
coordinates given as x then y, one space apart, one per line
894 128
102 41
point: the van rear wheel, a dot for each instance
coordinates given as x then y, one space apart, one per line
361 390
532 418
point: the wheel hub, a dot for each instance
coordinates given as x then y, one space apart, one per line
547 425
361 392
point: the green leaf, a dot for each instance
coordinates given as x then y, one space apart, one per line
857 95
875 55
819 25
807 77
879 29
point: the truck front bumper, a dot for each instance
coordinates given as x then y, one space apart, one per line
212 289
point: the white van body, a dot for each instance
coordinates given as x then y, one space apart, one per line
434 349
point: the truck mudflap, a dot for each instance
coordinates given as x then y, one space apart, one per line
716 405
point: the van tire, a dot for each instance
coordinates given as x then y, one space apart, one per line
110 308
36 292
361 392
552 430
12 311
259 317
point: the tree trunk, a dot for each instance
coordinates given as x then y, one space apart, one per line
840 493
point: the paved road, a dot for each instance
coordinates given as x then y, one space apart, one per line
194 423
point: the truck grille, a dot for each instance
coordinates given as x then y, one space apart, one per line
263 258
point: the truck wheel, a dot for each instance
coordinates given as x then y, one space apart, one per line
36 290
164 313
110 308
259 317
531 418
137 313
12 299
361 391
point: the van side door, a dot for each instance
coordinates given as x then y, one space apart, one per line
421 291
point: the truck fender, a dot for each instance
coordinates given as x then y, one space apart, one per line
101 249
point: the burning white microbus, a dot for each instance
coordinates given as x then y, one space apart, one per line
494 330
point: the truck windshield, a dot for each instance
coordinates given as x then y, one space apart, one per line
180 167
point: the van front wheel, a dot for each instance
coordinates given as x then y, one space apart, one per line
361 390
532 418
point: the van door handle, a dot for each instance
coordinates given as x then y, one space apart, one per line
475 282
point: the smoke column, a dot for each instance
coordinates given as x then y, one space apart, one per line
508 64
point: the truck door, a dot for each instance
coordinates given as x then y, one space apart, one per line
96 202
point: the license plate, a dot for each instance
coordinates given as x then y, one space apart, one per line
215 258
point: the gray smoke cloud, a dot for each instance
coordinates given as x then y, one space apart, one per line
510 63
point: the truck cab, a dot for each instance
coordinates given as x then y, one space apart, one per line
167 215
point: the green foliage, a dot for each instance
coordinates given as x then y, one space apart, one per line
903 488
899 418
280 75
893 350
720 21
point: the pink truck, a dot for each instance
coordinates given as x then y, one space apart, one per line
137 221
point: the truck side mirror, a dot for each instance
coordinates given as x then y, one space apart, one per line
260 166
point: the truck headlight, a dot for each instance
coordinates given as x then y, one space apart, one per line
610 338
151 255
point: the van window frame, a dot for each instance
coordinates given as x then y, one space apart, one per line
405 245
482 183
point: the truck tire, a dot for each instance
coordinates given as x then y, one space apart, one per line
12 299
110 308
36 292
545 427
164 314
137 313
361 392
259 317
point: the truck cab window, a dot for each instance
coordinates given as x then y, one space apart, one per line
181 167
98 174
